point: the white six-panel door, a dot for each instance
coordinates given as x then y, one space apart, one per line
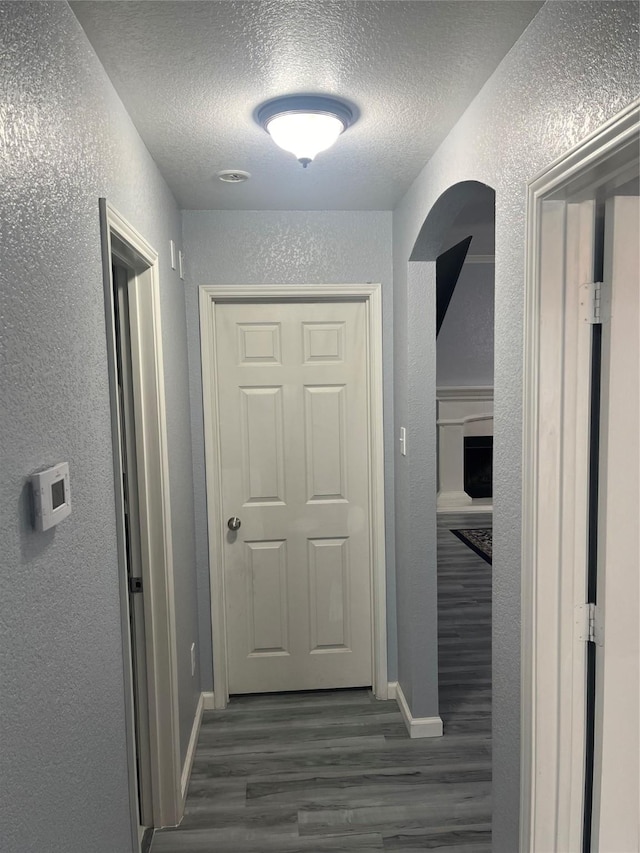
293 406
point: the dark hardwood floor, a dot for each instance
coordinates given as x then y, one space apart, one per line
336 770
464 627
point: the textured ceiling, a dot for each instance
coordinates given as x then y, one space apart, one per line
192 73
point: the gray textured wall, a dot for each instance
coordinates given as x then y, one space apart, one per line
465 344
281 247
573 68
416 578
65 140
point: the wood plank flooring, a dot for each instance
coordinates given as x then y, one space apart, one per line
464 627
336 770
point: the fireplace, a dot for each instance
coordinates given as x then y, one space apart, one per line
478 466
465 426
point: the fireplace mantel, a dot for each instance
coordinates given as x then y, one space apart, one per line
465 392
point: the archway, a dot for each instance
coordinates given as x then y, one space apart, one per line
456 245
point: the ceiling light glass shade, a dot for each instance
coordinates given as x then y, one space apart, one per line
304 124
305 134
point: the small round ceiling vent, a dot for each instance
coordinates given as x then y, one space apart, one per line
233 176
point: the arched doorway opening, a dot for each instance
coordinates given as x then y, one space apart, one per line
458 241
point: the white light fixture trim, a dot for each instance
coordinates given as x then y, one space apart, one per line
305 125
233 176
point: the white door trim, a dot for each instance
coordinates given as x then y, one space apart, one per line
554 523
371 295
155 518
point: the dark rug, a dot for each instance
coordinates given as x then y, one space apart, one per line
480 541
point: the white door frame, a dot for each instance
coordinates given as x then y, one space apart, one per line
155 517
370 294
555 482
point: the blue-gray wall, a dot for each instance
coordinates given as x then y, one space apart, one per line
575 66
465 343
65 140
285 247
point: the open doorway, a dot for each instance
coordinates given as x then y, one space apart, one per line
581 498
143 516
122 274
464 392
464 357
464 619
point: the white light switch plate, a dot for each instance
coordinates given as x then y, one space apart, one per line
193 659
403 441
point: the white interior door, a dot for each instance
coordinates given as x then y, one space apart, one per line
617 749
293 425
133 549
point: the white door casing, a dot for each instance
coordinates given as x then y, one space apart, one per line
616 811
155 516
557 383
562 431
293 441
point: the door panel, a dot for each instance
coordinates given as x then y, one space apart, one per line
262 447
293 404
617 747
268 618
329 609
129 463
326 443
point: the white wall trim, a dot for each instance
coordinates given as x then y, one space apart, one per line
572 171
554 533
392 689
191 748
371 295
155 509
417 726
208 700
464 392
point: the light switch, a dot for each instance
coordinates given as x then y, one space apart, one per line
403 441
193 659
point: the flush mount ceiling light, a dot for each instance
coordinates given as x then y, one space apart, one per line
305 124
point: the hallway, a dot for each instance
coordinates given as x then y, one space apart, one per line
336 770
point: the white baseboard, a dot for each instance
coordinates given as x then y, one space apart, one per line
417 726
191 749
207 698
392 689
